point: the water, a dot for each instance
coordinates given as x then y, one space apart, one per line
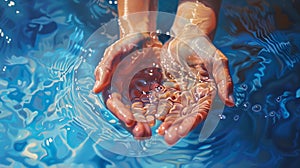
49 117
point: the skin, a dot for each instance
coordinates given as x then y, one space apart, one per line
203 69
194 71
134 35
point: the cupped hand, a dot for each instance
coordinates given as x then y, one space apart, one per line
123 78
194 72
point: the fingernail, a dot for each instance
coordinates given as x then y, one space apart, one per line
129 123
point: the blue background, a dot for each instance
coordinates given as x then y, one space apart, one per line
40 46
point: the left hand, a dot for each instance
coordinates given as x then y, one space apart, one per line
122 78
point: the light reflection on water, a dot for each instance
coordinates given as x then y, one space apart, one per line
43 103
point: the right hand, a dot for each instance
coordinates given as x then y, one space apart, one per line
196 70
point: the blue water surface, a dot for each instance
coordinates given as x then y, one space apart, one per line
50 118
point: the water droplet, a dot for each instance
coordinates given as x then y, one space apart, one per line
19 82
272 114
222 116
158 31
11 3
112 121
4 68
246 105
236 117
48 141
110 2
256 108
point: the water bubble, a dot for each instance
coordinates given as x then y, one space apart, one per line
236 117
110 2
278 99
256 108
272 113
244 86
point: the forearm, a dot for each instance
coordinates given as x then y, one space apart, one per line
202 13
136 16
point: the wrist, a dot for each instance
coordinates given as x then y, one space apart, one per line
194 13
135 23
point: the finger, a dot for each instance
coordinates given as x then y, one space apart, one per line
171 136
141 131
204 93
163 127
150 113
192 121
120 110
181 127
112 57
222 78
171 117
138 111
163 107
102 75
